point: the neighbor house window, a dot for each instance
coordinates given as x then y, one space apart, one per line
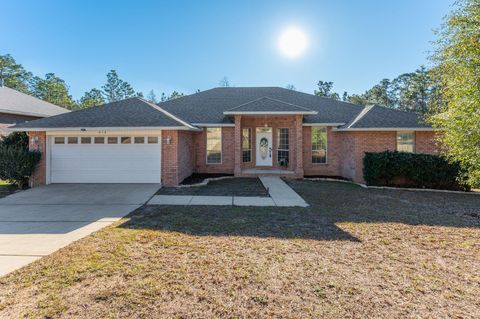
246 145
214 145
319 145
405 142
283 147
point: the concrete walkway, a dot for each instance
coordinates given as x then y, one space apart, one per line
281 195
39 221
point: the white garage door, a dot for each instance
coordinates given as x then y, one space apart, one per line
112 159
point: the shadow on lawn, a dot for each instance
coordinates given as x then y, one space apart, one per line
331 203
237 221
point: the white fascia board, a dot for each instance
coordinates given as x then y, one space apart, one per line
214 124
323 124
89 129
370 129
25 113
270 113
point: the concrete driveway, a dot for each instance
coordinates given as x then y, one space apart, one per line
39 221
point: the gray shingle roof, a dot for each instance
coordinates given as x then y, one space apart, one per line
208 107
267 104
381 117
15 102
133 112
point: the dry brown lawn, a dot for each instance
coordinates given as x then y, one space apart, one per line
355 253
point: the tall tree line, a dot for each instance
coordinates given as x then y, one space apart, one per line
415 92
53 89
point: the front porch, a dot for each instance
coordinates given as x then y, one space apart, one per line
257 172
268 145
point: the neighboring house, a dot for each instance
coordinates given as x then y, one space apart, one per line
241 131
17 107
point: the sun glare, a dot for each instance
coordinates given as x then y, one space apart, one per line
292 42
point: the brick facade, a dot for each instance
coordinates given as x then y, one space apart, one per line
38 141
357 143
275 122
184 152
177 156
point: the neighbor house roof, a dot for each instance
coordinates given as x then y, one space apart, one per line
129 113
217 107
15 102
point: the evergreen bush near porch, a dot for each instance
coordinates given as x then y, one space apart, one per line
400 169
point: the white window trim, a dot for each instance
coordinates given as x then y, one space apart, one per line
326 145
278 143
414 149
250 137
221 147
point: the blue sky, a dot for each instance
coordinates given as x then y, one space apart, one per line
190 45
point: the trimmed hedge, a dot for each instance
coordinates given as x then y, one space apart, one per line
17 164
400 169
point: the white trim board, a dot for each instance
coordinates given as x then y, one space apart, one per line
89 129
214 124
323 124
270 113
369 129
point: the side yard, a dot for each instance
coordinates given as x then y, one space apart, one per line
355 253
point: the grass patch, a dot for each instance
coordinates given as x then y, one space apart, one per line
354 253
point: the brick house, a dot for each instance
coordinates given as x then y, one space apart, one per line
241 131
17 107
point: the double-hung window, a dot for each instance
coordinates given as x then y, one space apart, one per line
319 145
283 147
246 145
406 142
214 145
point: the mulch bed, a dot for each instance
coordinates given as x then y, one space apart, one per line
239 186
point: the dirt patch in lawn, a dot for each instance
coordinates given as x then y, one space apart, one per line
355 253
238 186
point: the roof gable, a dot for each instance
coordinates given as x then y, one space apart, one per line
380 117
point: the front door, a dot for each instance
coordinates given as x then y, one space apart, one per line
264 146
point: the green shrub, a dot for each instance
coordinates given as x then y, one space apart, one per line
17 164
402 169
16 140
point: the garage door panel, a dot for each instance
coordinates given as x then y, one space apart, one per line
107 177
105 163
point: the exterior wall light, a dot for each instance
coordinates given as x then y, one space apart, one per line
168 140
